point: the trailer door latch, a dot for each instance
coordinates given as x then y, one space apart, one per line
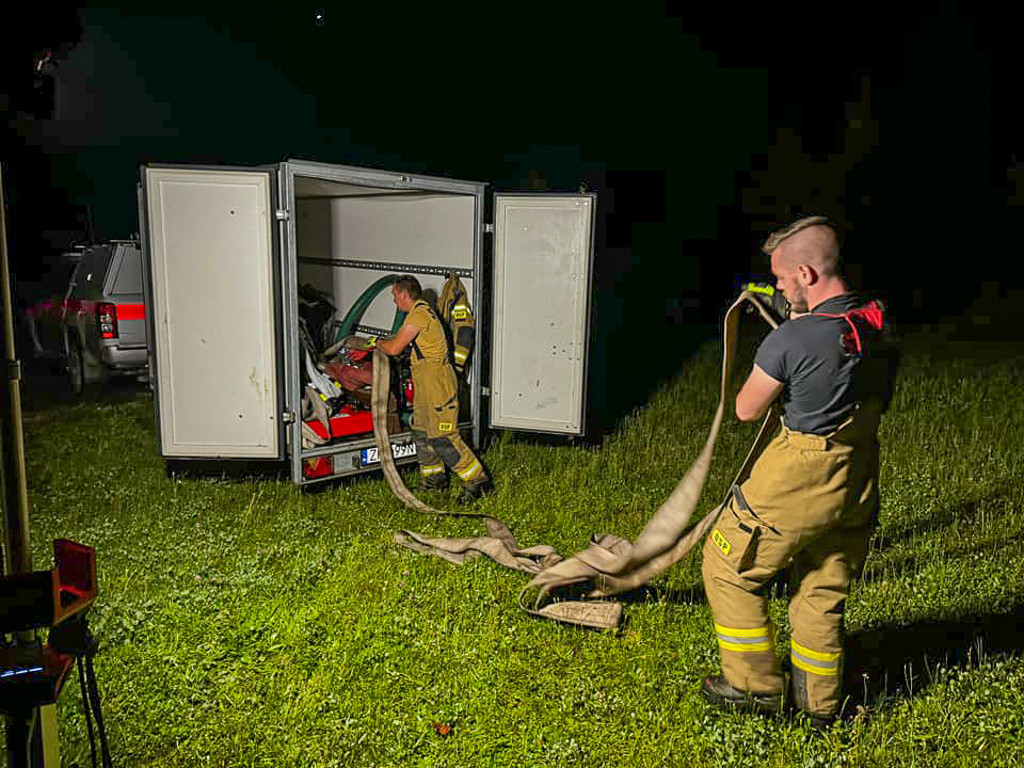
281 214
288 417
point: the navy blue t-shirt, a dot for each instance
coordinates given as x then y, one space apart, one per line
823 380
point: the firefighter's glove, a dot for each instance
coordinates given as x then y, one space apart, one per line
771 299
359 342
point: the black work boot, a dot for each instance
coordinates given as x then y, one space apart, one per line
474 491
799 700
435 482
719 693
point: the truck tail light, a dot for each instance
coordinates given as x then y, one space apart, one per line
106 316
321 466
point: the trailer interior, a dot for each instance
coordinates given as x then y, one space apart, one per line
351 240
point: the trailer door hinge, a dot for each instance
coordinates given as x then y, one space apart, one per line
488 229
288 417
485 391
281 214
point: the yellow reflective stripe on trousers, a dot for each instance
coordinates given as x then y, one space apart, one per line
471 471
815 662
460 356
743 640
431 469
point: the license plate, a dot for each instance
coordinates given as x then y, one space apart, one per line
398 451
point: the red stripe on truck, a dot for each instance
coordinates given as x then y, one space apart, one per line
131 311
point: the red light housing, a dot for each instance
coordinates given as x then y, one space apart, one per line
321 466
106 317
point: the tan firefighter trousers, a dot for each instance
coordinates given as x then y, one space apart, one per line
435 424
810 504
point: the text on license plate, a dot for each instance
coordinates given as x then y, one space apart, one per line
398 450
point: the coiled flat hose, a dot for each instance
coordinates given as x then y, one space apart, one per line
611 565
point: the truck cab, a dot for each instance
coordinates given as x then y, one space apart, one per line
98 328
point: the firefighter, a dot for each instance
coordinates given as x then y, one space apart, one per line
810 504
435 417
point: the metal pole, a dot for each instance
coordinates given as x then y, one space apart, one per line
17 545
31 741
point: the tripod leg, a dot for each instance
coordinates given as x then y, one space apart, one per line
85 705
94 697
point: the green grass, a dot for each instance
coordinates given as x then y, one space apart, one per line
246 623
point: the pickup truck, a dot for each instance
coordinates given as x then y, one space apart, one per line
97 328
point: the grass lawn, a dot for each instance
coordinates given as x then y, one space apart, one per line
247 623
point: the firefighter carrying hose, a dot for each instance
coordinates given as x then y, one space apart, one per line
435 416
810 504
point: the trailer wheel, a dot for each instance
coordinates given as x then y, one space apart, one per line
76 368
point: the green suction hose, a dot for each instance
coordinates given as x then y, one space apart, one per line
355 313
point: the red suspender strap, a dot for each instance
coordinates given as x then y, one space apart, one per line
871 313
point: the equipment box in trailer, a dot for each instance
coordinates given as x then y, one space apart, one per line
241 263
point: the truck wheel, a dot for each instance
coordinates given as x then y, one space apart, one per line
76 369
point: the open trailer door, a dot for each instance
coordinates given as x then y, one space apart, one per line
212 272
543 261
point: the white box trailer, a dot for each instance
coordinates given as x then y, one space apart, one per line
226 249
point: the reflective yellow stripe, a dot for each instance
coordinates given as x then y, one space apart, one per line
743 640
744 647
761 288
827 672
460 356
756 632
816 655
471 471
815 662
432 469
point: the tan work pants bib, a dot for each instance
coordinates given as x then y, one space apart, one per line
435 424
810 504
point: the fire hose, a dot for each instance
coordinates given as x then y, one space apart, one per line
611 565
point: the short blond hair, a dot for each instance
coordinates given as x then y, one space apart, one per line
811 240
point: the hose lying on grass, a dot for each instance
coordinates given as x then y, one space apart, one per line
611 564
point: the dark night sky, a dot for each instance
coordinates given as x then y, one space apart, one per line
700 129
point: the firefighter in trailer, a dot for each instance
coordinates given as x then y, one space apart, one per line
810 504
435 416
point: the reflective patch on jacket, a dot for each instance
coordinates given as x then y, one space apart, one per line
454 309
